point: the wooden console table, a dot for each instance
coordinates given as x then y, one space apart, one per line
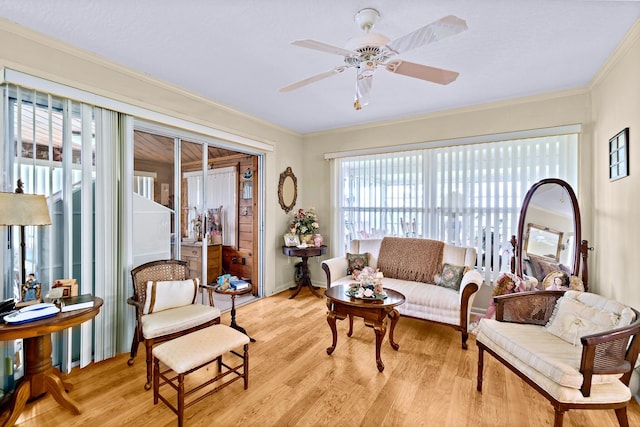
305 254
39 374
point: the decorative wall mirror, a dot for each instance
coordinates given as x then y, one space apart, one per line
549 236
287 190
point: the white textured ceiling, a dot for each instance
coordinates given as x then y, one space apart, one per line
237 52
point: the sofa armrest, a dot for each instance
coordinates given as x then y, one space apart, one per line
334 268
471 282
534 307
470 278
610 352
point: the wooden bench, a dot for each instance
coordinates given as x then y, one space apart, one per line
193 351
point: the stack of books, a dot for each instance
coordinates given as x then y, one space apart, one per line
76 303
239 285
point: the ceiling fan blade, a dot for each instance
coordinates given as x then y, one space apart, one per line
424 72
313 79
323 47
445 27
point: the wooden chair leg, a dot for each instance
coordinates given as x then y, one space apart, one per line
156 380
246 366
134 347
621 414
558 418
465 336
180 400
480 368
149 356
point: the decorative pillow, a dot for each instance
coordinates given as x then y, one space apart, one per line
451 276
572 319
170 294
356 262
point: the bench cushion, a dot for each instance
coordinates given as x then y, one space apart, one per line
177 319
198 348
534 347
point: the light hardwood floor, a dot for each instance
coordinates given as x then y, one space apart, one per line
429 381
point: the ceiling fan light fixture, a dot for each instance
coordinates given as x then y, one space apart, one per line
366 18
367 40
366 69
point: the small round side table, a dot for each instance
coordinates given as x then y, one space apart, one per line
233 293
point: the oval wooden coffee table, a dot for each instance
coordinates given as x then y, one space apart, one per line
374 313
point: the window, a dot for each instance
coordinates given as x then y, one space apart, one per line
221 193
144 184
466 195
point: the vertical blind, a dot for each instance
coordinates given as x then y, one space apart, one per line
465 195
64 150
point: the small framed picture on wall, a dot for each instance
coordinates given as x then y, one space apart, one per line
619 155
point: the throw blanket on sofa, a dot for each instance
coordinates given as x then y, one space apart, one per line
411 259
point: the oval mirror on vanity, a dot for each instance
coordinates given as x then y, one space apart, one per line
287 190
549 236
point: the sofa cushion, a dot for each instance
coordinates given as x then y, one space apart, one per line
458 255
369 246
162 295
533 346
577 314
425 301
410 259
356 262
451 276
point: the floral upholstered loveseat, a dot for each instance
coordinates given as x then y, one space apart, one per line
412 267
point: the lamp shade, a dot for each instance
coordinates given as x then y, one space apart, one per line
23 209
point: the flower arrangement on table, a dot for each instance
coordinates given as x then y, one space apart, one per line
304 222
368 284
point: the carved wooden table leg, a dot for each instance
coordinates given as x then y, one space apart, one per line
331 320
40 377
350 326
395 316
305 280
18 401
380 329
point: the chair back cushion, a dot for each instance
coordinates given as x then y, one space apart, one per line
165 269
163 295
580 313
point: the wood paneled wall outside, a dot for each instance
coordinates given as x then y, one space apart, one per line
429 381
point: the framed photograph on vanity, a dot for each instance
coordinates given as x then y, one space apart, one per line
291 240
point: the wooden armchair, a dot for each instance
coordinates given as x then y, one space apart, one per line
177 314
599 365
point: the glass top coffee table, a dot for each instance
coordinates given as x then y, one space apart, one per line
374 312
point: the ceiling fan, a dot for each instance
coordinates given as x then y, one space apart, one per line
370 50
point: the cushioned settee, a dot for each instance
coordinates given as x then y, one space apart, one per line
412 267
577 349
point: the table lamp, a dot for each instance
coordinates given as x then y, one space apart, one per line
23 209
